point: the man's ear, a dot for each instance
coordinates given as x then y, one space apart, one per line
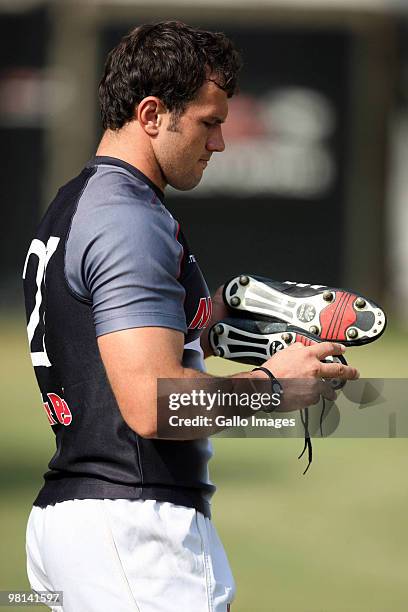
149 114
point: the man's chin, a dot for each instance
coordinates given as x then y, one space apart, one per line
185 185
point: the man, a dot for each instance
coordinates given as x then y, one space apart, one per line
113 297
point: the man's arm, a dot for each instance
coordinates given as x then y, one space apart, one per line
136 358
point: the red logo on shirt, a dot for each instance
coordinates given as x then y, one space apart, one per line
203 314
59 410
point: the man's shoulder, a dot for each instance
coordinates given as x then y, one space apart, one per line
115 226
111 184
102 196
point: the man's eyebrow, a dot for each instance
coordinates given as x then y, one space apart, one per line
215 119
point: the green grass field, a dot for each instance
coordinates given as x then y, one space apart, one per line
331 541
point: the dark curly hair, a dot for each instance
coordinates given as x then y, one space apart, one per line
170 60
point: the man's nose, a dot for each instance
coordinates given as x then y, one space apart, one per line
215 141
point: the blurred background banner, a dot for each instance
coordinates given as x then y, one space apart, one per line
304 191
311 188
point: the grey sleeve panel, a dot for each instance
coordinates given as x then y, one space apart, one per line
193 356
122 254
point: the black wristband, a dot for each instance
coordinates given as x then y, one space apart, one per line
276 386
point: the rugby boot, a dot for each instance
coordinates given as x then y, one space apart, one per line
253 342
330 313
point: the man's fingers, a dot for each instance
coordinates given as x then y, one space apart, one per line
325 349
338 370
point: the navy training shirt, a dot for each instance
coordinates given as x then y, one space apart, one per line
109 256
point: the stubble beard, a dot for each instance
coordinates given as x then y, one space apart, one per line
171 175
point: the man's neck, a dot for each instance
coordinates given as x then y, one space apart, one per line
125 145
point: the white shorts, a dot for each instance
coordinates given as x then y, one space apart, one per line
128 556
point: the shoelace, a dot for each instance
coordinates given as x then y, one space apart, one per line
308 442
304 416
321 417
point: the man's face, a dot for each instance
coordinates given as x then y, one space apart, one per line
183 148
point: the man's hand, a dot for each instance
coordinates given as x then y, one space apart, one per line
302 373
298 361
